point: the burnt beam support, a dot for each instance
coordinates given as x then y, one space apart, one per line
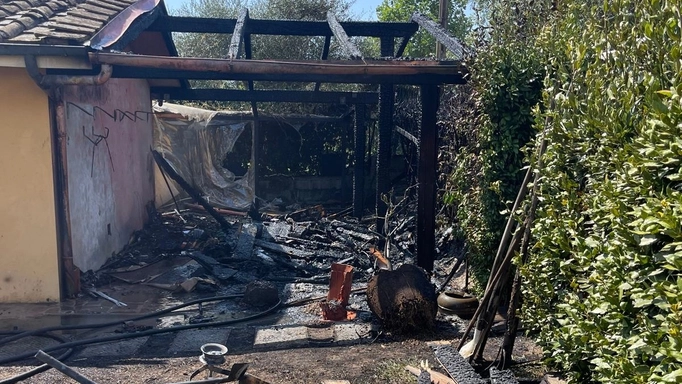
256 133
386 104
324 56
238 35
349 49
426 191
359 161
345 98
440 34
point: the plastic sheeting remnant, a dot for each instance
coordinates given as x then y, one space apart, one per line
195 141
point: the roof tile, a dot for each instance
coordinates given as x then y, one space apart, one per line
54 20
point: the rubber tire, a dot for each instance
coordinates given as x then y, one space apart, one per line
457 303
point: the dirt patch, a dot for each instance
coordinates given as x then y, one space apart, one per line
380 362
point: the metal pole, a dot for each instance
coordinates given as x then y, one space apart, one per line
63 368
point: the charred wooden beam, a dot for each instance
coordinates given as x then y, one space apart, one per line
174 93
401 72
359 160
350 49
280 27
238 35
402 46
386 105
324 56
440 34
127 72
408 136
426 192
190 190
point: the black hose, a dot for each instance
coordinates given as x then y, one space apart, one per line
150 332
112 323
41 368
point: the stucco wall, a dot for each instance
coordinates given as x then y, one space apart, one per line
108 191
28 239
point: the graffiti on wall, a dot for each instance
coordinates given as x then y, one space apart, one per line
95 138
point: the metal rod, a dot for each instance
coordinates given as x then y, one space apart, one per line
63 368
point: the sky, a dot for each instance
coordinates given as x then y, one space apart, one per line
362 9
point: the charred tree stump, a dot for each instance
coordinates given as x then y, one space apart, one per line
404 299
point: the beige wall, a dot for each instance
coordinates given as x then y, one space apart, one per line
110 183
28 240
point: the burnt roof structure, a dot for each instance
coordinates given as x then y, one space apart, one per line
98 29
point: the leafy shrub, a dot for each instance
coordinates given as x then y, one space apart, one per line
603 285
487 133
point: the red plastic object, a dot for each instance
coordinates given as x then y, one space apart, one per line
334 308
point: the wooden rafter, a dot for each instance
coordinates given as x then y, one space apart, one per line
238 35
440 34
349 49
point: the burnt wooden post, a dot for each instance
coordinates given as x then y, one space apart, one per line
386 101
359 166
426 192
324 56
255 125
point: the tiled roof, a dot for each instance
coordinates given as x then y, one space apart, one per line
45 21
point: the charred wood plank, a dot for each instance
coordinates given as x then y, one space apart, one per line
283 249
190 190
440 34
350 49
280 27
238 35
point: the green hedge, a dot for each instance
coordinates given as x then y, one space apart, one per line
487 158
603 286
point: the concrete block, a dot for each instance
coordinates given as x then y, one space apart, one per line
281 337
346 334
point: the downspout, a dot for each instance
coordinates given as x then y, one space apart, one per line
50 81
70 274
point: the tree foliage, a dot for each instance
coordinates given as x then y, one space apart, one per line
422 43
